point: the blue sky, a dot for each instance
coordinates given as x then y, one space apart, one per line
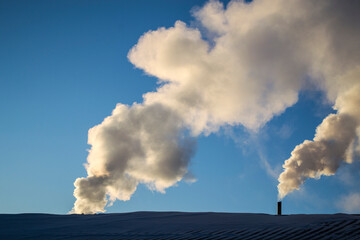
64 67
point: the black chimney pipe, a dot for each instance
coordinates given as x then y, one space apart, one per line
279 208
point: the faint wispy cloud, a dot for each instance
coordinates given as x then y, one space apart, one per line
273 172
349 203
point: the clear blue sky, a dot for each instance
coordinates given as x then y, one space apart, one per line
63 68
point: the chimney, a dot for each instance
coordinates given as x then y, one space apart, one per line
279 208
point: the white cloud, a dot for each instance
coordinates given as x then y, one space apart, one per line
138 144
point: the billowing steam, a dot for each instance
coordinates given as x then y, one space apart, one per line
333 144
247 64
137 144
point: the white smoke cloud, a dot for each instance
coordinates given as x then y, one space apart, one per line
334 142
137 144
259 56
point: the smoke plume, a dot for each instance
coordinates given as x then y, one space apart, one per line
245 65
332 145
137 144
